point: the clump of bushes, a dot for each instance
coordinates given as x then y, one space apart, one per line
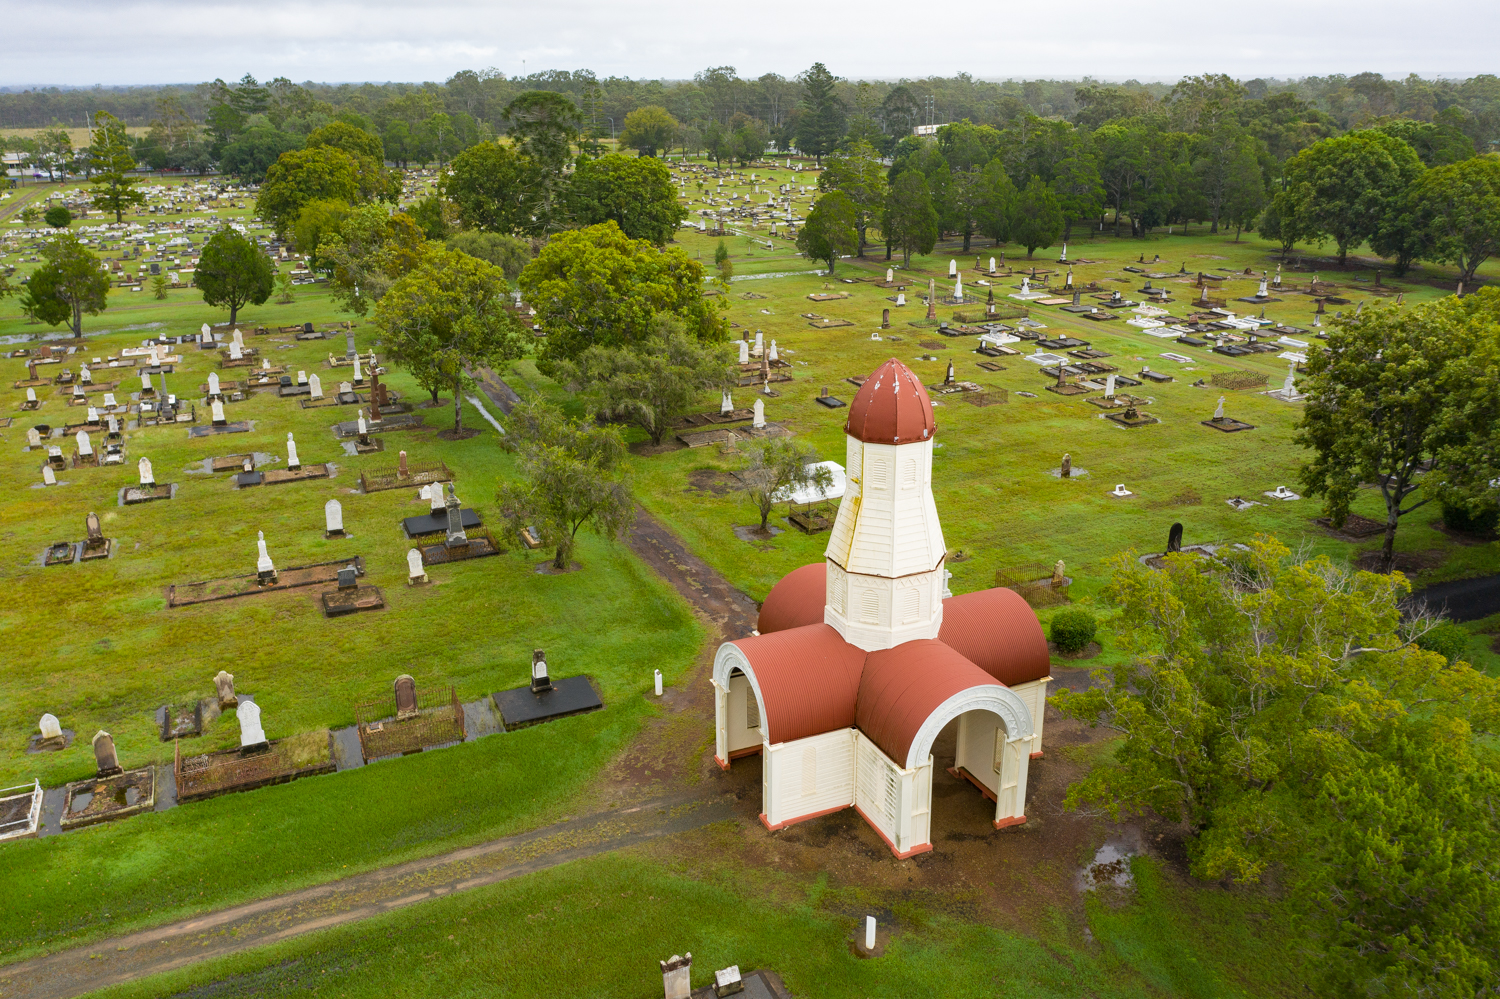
1072 630
1447 640
1456 518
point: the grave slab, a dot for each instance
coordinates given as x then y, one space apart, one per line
436 522
102 799
208 430
572 695
338 603
183 594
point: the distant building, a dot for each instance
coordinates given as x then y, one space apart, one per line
925 130
860 661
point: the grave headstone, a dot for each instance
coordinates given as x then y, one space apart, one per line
33 437
217 411
414 571
953 268
744 352
1174 538
114 427
49 478
293 462
406 696
146 384
109 400
348 577
539 679
333 517
50 727
726 405
885 319
31 395
302 378
1219 409
1066 471
251 731
890 275
759 421
104 754
931 298
401 471
85 449
676 977
148 477
358 375
93 415
434 496
236 352
264 568
456 537
958 290
224 687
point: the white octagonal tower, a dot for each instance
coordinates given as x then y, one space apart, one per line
885 553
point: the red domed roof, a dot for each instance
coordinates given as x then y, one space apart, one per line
891 407
796 601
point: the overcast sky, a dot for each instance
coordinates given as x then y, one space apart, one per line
83 42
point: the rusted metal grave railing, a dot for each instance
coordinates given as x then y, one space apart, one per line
437 720
217 773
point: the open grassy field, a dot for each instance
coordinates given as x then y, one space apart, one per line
96 644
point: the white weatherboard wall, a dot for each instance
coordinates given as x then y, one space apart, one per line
896 801
885 552
807 777
1034 696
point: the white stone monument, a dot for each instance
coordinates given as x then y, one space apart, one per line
890 275
333 517
1109 387
292 461
85 449
213 383
33 437
415 573
31 395
953 268
50 727
251 732
1219 409
49 478
236 352
315 386
760 415
744 352
146 384
357 376
992 265
726 405
263 559
148 478
900 298
217 411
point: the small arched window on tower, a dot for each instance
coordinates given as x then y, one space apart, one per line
909 473
869 607
878 473
911 606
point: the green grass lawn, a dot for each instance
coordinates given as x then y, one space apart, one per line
596 928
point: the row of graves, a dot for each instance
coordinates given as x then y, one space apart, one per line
739 212
410 720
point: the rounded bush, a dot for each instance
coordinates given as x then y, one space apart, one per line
1447 640
1458 519
1072 630
58 217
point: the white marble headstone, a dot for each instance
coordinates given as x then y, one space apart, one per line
251 732
84 447
148 478
213 383
760 415
48 477
109 400
292 460
315 384
217 411
744 352
263 559
50 727
333 516
34 437
414 568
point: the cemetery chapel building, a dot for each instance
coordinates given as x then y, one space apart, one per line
860 661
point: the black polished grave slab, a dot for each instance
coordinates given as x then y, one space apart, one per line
570 695
830 401
437 521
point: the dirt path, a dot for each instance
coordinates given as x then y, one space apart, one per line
150 952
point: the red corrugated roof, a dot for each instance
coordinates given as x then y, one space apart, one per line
998 632
891 407
809 680
902 687
796 601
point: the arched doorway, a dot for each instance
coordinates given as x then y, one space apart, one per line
991 733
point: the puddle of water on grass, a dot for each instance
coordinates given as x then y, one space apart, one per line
1111 864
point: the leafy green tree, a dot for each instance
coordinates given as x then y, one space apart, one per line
910 222
368 252
508 253
1037 219
496 189
1080 192
857 172
1468 442
544 125
1285 218
249 155
831 229
716 141
750 139
636 193
302 175
651 384
67 286
444 318
1375 408
648 129
57 217
233 272
1437 143
1457 210
820 125
284 293
110 162
598 287
54 148
159 287
365 151
1122 148
318 219
1226 166
178 136
722 262
1277 709
431 213
997 202
1355 178
573 473
775 469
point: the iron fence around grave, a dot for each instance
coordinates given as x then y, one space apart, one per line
20 810
1033 582
417 474
437 721
218 773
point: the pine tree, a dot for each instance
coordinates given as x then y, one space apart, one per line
110 161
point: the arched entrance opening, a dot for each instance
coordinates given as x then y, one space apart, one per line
981 736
